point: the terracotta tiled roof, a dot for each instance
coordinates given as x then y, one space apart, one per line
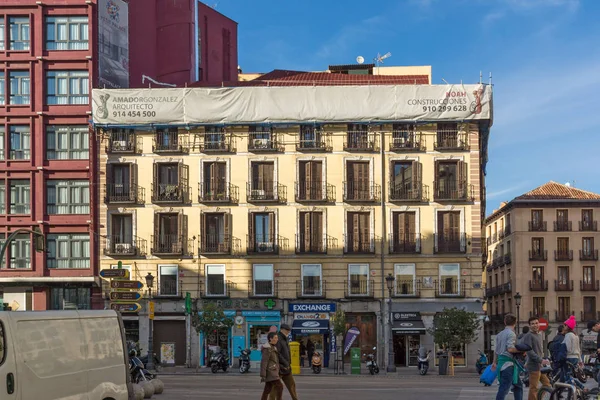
556 191
299 78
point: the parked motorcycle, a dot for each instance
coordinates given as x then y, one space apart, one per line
219 360
137 370
424 363
316 362
592 367
482 362
155 359
372 363
244 360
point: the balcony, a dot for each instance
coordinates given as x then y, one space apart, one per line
450 288
272 192
259 288
507 230
219 193
590 316
407 243
494 238
451 141
498 262
505 288
265 244
563 255
217 143
491 291
168 288
507 259
400 142
359 288
264 143
314 244
460 191
124 194
214 244
117 246
169 193
359 244
311 288
124 143
450 243
563 286
538 255
314 191
538 286
167 245
361 191
216 288
563 226
170 142
589 286
562 315
588 226
360 141
401 192
588 255
537 226
408 288
318 142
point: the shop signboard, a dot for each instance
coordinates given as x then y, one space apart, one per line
311 316
312 307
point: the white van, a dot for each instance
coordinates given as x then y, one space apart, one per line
74 355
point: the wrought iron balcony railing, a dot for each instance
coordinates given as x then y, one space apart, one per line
118 193
170 142
214 243
167 245
360 141
264 142
538 286
407 288
217 143
405 243
262 288
217 288
169 193
119 246
589 285
411 142
266 191
313 244
563 286
451 140
360 191
311 287
563 255
457 191
588 255
563 226
413 192
538 255
538 226
450 243
359 244
588 226
314 190
359 288
218 193
450 288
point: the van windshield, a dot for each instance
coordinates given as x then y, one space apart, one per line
2 344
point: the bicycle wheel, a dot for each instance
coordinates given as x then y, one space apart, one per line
544 393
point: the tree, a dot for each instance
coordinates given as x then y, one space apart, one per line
339 323
210 319
454 327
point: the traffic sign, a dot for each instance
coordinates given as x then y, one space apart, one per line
151 310
543 324
114 273
125 307
129 296
125 284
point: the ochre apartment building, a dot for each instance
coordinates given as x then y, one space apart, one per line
542 246
285 203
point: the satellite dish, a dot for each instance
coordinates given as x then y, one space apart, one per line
568 184
360 59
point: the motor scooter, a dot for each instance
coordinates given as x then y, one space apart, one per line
316 362
481 363
244 360
372 363
424 363
219 360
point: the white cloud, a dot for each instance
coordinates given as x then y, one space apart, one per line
349 34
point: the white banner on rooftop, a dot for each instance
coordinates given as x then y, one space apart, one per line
291 104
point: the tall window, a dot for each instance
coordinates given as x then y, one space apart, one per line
19 33
263 280
121 228
20 252
404 227
539 306
562 245
449 279
20 197
215 280
587 220
67 33
2 197
262 232
359 279
215 231
69 298
564 308
19 87
358 233
214 138
310 233
406 180
311 137
68 197
537 247
68 250
537 220
589 308
311 280
2 87
69 142
310 180
2 37
214 185
405 279
589 276
563 277
263 180
449 237
20 142
168 233
67 87
587 246
358 186
537 275
168 280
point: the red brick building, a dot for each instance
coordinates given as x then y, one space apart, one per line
51 53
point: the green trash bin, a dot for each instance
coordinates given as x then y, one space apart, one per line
443 363
355 361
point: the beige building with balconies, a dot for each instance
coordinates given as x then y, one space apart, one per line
542 246
284 211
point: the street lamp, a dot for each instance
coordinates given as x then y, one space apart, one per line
518 303
150 363
391 365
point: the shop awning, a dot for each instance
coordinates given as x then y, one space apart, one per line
308 326
409 327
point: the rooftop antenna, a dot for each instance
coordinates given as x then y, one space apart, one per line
490 78
480 77
445 81
360 59
379 59
144 77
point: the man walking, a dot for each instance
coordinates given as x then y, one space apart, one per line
285 364
504 364
535 358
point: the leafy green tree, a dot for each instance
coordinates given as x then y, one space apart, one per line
454 327
210 319
339 323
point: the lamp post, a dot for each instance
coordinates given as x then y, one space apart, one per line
518 303
391 365
150 363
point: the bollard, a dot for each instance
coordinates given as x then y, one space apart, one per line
295 357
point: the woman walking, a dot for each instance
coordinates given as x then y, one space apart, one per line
269 368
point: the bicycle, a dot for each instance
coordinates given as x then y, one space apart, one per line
573 384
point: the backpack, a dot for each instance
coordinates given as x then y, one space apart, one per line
560 356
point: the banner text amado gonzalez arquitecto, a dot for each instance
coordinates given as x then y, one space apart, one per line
289 104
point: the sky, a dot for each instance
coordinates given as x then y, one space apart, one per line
543 55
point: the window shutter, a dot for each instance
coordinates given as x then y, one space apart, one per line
355 231
251 239
461 177
416 178
132 189
156 229
203 231
269 179
317 179
317 231
306 230
155 178
401 226
183 172
410 225
226 231
220 178
182 232
255 184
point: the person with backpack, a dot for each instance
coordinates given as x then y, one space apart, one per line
554 345
535 357
572 342
504 363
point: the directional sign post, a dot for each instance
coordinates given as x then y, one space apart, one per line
114 273
126 296
151 309
125 284
125 307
